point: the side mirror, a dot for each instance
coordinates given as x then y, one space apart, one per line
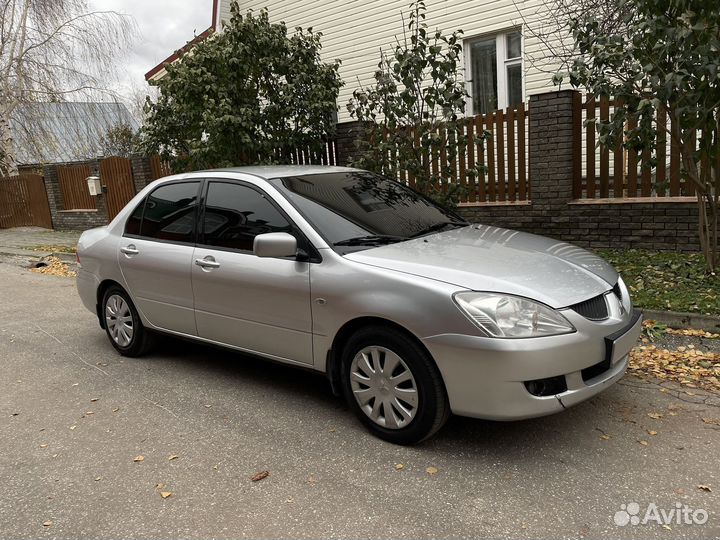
277 244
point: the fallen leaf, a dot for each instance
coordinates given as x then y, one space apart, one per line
89 412
43 446
260 476
655 416
165 494
98 478
644 443
172 457
72 427
47 523
711 421
331 430
94 399
704 487
139 458
116 409
431 470
399 466
651 432
605 437
159 486
311 480
665 526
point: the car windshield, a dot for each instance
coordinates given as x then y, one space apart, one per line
358 209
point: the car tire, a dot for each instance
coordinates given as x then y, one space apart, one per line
393 385
122 323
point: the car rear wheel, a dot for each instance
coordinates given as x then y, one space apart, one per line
393 386
122 323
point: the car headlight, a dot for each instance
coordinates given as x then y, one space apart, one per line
507 316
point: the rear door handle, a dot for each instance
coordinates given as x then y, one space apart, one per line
129 250
207 262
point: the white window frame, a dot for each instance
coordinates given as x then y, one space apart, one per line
502 63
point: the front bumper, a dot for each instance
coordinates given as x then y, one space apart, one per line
486 377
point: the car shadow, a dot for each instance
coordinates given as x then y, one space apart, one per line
502 440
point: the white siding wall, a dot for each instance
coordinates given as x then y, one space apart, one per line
355 30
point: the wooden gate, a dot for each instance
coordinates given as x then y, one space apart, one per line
116 174
74 188
24 202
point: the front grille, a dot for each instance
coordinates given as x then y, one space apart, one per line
595 309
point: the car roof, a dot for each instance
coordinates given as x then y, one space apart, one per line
281 171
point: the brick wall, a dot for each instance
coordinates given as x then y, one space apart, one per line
619 223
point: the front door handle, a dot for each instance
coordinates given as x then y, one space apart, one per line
129 250
207 262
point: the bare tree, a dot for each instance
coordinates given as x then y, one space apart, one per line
549 25
54 51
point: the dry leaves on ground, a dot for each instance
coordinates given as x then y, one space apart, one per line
687 366
139 458
692 332
704 487
54 267
260 476
431 470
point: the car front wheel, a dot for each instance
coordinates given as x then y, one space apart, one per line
122 323
393 385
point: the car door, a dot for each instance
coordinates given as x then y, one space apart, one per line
155 255
257 304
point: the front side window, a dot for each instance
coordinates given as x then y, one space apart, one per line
169 213
235 214
495 69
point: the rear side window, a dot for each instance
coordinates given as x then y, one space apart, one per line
169 212
236 214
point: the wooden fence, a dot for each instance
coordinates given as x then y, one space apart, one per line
74 188
501 159
602 172
116 175
24 202
158 167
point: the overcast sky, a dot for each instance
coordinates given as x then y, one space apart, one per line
163 26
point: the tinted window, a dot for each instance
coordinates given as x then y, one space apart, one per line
236 214
170 212
132 225
347 205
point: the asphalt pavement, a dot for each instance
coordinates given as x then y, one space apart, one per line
76 419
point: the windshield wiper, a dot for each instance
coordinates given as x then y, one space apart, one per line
438 227
370 240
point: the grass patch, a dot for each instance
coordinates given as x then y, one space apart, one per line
667 281
52 248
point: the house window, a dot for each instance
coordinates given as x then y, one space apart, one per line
494 64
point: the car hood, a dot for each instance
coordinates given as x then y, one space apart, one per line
484 258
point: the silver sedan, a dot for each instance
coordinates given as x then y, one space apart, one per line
410 311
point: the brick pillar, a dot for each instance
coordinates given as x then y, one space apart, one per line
550 139
347 138
52 187
142 173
